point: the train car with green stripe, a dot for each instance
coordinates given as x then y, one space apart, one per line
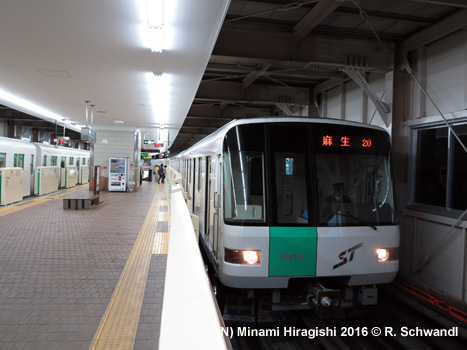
294 213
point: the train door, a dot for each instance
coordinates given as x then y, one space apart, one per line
216 186
62 171
291 193
31 174
207 198
77 169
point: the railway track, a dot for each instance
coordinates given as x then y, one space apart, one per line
396 323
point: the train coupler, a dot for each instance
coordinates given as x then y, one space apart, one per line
324 299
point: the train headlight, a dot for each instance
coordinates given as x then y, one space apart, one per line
386 254
242 257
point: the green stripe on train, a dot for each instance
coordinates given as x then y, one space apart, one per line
292 251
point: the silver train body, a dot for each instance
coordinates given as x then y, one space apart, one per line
31 155
295 204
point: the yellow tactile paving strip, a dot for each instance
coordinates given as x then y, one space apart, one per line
118 328
119 324
161 241
13 208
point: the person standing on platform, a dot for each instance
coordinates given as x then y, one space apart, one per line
160 172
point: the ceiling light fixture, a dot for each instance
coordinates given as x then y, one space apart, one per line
155 9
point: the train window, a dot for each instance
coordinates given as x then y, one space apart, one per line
84 161
31 165
244 175
288 171
440 167
2 160
18 160
53 160
71 161
354 179
44 161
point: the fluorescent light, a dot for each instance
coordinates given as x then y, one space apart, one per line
156 38
155 9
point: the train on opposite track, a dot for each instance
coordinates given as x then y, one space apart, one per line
43 167
294 213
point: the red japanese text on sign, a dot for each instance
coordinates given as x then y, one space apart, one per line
327 140
345 141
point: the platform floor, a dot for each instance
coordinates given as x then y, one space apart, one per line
84 279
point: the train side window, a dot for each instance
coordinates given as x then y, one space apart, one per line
71 161
2 160
84 161
18 160
44 161
31 165
53 160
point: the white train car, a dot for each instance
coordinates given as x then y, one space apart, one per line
64 157
300 212
21 154
29 156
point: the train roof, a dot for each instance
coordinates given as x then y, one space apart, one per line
220 133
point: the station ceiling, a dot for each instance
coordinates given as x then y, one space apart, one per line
226 59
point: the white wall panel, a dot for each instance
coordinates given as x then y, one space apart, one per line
353 102
334 103
446 61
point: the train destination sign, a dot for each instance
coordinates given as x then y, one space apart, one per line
346 141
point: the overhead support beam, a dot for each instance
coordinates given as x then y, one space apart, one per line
284 108
252 76
437 31
381 107
455 3
314 17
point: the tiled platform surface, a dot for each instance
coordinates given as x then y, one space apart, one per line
59 269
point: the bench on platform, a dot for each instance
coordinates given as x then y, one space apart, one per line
80 201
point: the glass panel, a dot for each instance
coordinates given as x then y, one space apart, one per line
71 161
459 171
289 147
244 200
53 161
18 160
44 161
2 160
354 176
431 166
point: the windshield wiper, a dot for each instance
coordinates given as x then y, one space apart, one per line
360 221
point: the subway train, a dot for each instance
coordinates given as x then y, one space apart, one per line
294 213
59 166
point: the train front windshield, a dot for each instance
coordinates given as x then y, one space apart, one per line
313 174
